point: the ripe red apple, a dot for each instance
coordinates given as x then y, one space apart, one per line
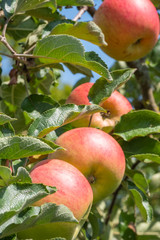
116 105
131 28
74 191
97 155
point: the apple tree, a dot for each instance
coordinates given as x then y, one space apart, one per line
41 42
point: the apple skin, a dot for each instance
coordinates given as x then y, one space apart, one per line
97 155
131 28
116 105
74 191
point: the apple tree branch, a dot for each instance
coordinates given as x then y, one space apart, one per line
143 79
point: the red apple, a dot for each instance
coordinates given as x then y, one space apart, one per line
116 105
131 27
74 191
97 155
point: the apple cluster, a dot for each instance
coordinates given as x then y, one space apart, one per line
91 163
87 168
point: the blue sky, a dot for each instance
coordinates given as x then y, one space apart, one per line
67 76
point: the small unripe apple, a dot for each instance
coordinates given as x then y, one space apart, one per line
130 27
116 106
97 155
73 191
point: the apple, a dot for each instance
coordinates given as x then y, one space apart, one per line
97 155
74 191
131 28
116 105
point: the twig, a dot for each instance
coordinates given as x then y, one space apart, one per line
7 55
80 13
143 78
3 37
91 11
4 41
5 27
30 49
112 204
115 194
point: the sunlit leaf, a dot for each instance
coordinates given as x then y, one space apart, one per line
16 197
141 202
56 117
6 177
102 89
75 2
5 118
138 123
68 49
24 5
37 217
18 147
88 31
139 179
36 104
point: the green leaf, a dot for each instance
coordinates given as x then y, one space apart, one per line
6 177
156 3
129 234
19 147
52 136
75 2
141 202
16 197
79 69
8 7
93 220
81 81
45 13
139 179
58 238
21 26
87 31
5 119
36 104
56 117
138 123
6 130
12 96
148 237
102 89
142 148
11 237
67 49
24 5
37 216
124 220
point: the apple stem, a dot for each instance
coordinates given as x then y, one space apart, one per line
91 179
90 120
